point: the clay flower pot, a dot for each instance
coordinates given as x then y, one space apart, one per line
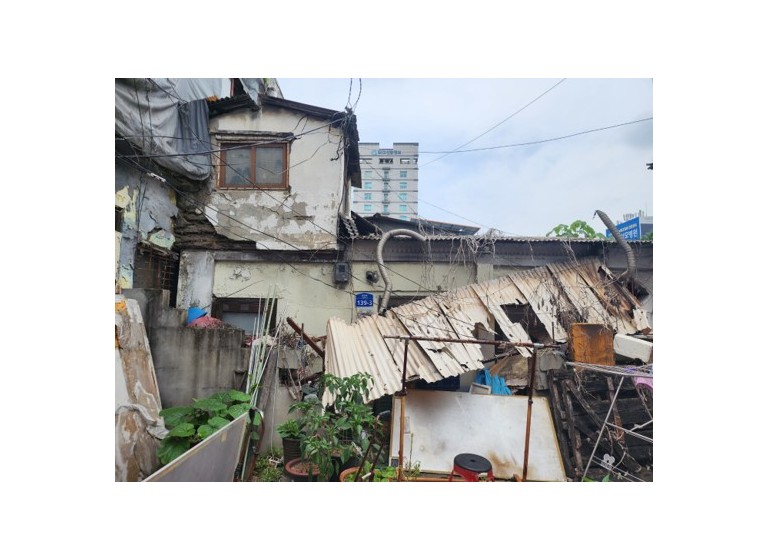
301 470
346 472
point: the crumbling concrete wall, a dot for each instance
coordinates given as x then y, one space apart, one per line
148 210
190 363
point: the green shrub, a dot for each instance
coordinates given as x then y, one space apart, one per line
189 425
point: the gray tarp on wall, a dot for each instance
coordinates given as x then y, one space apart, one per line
166 117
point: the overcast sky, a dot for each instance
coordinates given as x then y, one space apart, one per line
520 190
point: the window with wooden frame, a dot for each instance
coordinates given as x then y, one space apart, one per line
253 166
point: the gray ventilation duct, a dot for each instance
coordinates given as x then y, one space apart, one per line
380 260
631 261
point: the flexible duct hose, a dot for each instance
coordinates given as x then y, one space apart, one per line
631 261
380 260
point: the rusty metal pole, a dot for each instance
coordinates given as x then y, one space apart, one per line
528 419
401 394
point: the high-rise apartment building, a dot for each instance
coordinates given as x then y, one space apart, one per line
390 181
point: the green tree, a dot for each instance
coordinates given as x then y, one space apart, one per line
579 228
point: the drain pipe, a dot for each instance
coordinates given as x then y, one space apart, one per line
631 262
380 261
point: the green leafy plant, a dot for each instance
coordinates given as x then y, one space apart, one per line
578 228
385 474
189 425
266 468
335 434
606 478
290 429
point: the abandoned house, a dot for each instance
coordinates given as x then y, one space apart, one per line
232 200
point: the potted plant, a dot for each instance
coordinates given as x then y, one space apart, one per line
302 470
337 434
380 474
291 432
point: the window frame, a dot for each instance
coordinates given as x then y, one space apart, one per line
227 145
247 306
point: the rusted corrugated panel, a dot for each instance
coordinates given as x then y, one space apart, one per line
424 318
591 343
545 297
495 293
573 291
581 294
616 300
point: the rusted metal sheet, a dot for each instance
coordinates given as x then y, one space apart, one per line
502 291
615 299
212 460
591 343
559 296
545 297
581 294
441 424
424 318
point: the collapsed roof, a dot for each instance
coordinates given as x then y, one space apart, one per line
558 295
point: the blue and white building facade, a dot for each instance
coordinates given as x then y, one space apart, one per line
390 180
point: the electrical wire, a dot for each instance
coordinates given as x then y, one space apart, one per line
543 141
455 150
287 243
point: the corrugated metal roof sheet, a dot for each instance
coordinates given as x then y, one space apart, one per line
493 295
585 291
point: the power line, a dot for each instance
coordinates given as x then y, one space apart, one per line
455 150
543 141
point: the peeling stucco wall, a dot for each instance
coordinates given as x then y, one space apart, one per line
195 279
305 291
148 211
304 216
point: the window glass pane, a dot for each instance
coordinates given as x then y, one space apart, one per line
367 208
243 320
368 174
238 166
403 185
403 174
269 166
403 208
403 196
367 196
368 185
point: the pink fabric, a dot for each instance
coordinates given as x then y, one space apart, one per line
644 381
206 322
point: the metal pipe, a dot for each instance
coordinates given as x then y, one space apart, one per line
473 341
528 418
380 261
631 261
306 338
402 394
